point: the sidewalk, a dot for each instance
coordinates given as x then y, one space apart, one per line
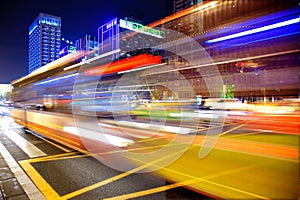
9 185
14 182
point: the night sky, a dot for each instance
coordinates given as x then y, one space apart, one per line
78 19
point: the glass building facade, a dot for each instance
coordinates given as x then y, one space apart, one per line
179 5
254 44
44 40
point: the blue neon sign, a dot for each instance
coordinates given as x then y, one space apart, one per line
256 30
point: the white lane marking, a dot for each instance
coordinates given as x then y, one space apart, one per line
25 182
31 150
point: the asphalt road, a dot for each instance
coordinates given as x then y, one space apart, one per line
62 173
252 156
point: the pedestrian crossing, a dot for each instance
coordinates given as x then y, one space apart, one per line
8 127
28 148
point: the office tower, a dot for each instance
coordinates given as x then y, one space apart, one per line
190 25
44 40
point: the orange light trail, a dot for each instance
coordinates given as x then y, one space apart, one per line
184 12
257 148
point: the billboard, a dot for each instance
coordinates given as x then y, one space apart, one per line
134 26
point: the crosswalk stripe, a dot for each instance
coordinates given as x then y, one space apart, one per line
31 150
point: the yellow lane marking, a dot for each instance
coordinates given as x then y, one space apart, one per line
52 143
94 186
203 129
189 182
46 189
29 188
62 158
151 191
243 134
50 158
228 131
49 192
129 150
39 181
115 178
150 147
68 154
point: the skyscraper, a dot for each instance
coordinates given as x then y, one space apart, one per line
44 40
187 25
183 4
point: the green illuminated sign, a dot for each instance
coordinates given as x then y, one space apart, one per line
141 28
72 48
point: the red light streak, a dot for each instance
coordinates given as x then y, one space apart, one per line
125 64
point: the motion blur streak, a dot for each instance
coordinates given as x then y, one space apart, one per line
231 163
265 28
184 12
156 109
274 151
196 180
